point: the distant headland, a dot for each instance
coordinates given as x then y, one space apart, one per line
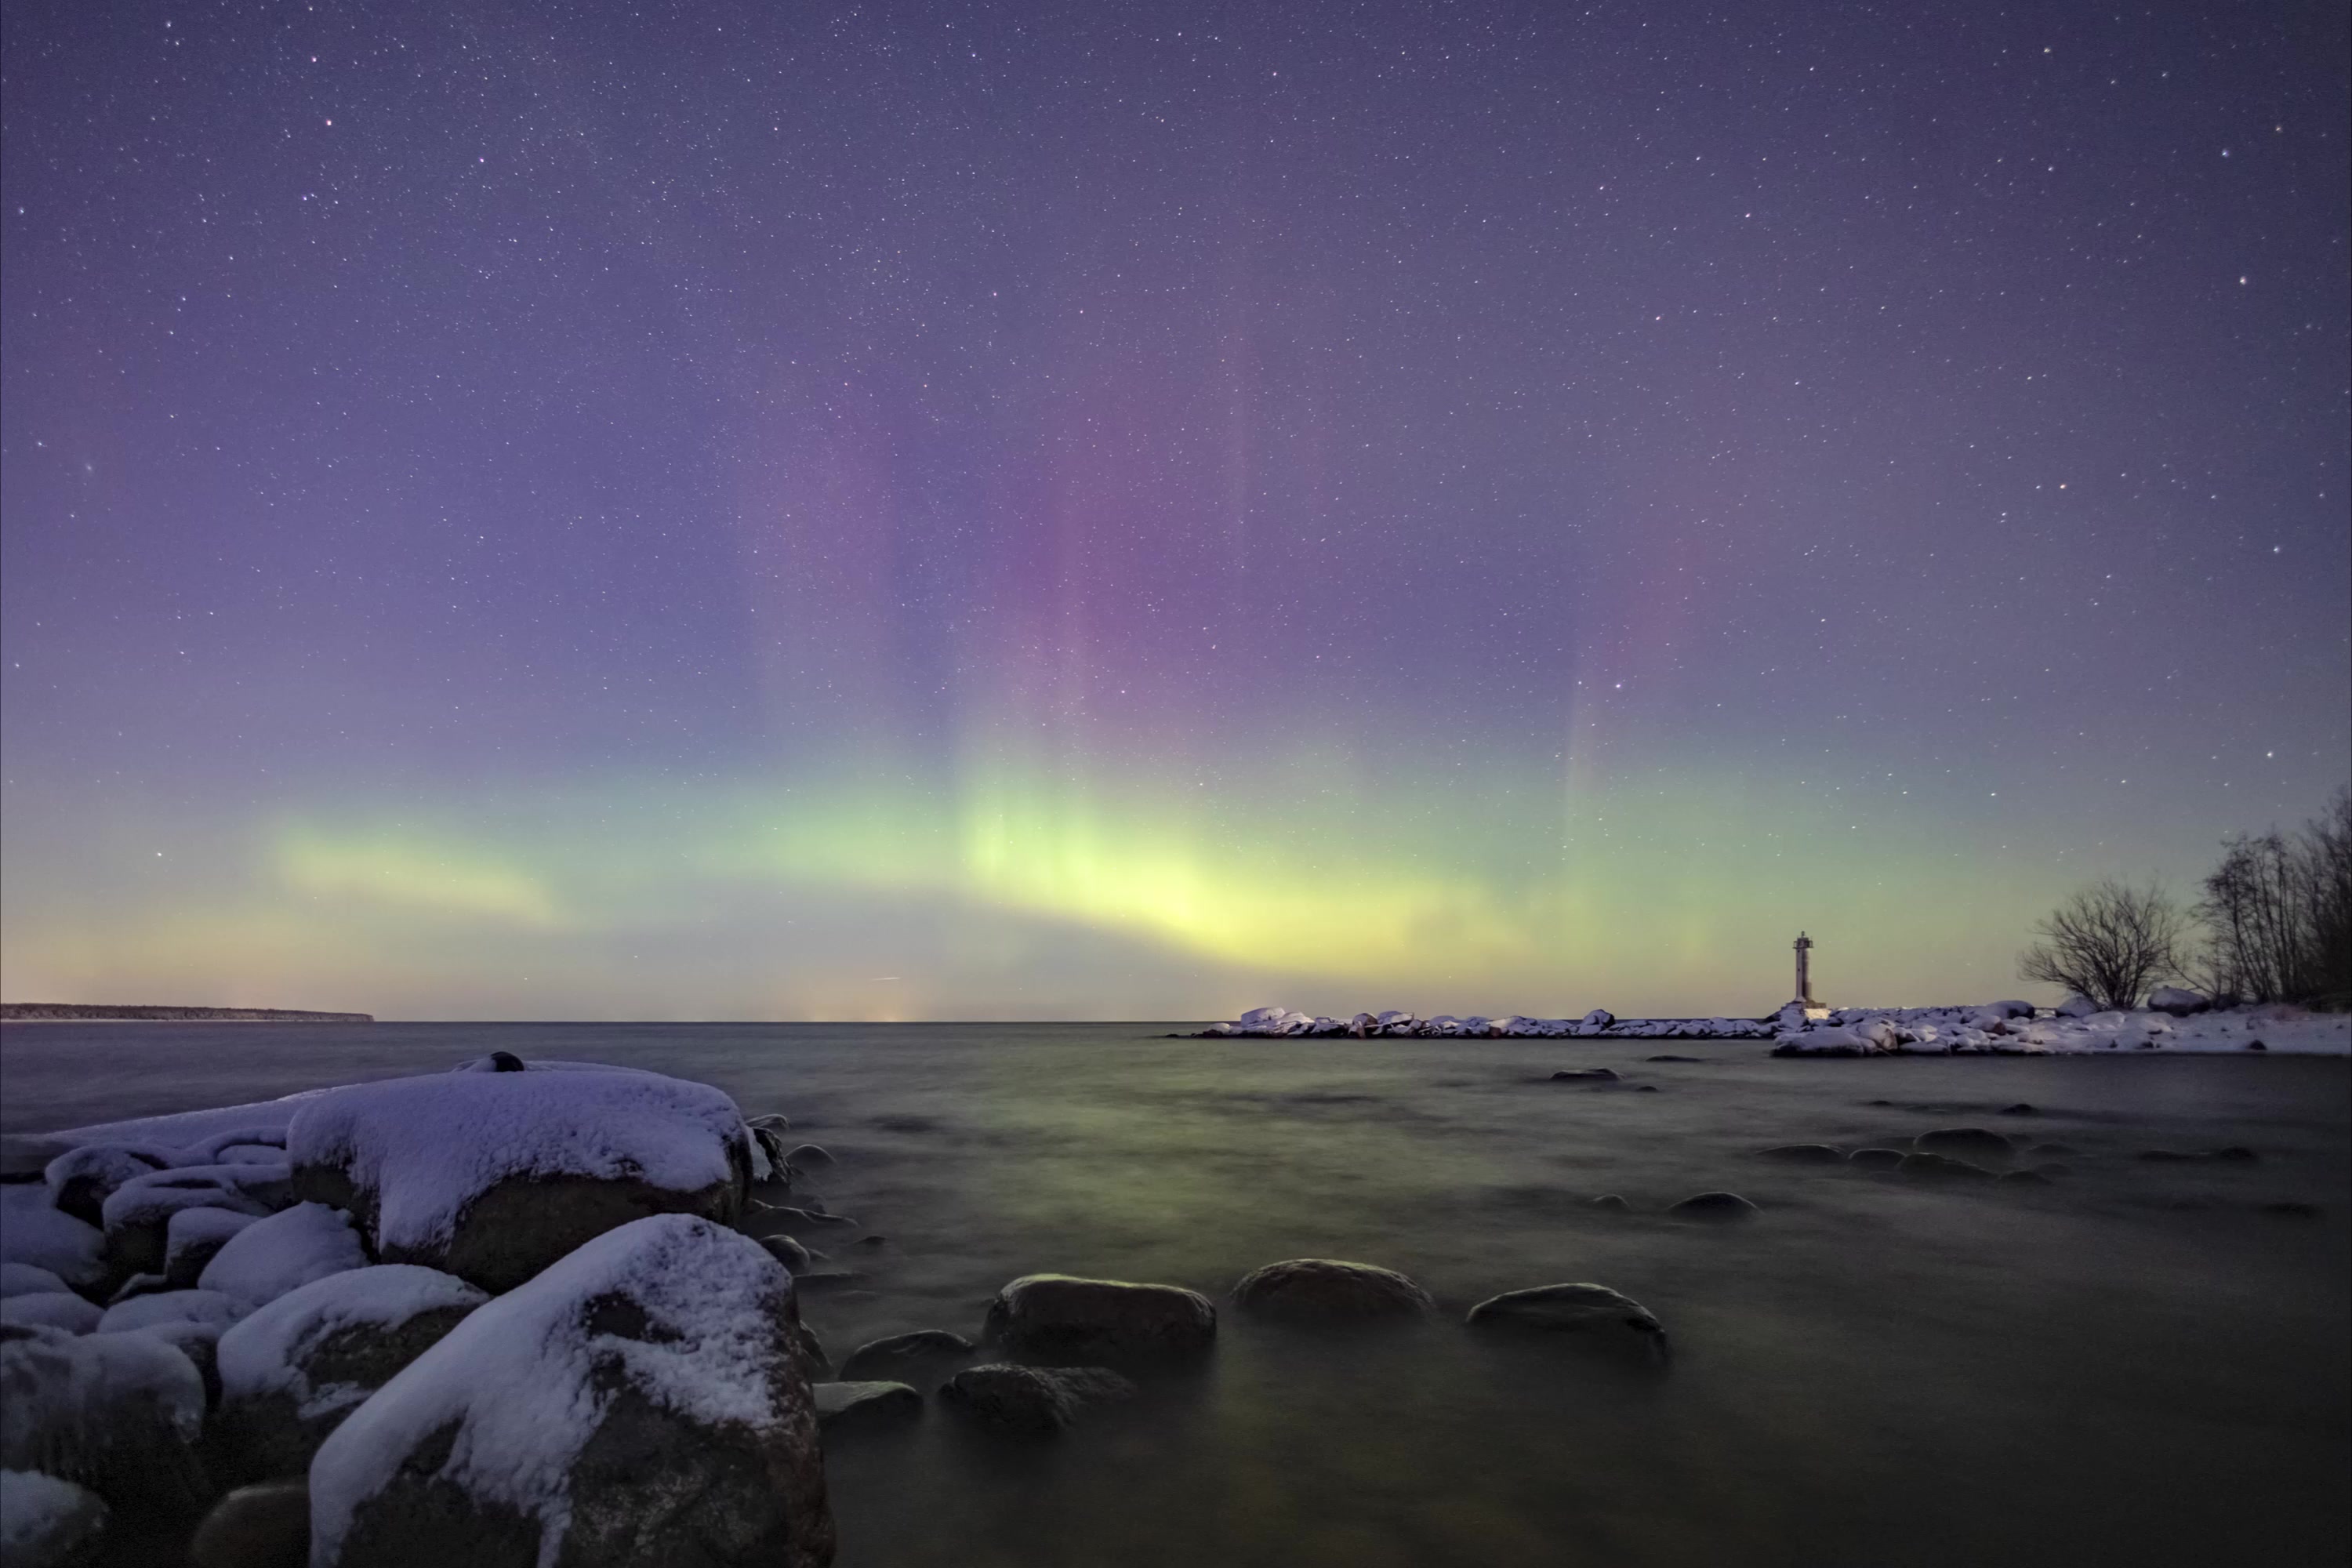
94 1012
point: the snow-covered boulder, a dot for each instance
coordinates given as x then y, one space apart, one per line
81 1180
1396 1023
48 1523
634 1403
25 1279
493 1177
1260 1020
34 1232
165 1307
293 1370
2078 1007
56 1309
2176 1001
1054 1317
138 1213
193 1236
120 1414
284 1252
1599 1018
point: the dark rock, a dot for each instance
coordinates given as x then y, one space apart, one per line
2292 1210
2032 1178
119 1414
1714 1205
1585 1075
871 1241
48 1522
1323 1290
2236 1155
1610 1202
296 1367
1645 1089
1593 1311
861 1407
1675 1059
139 1213
193 1236
1802 1154
641 1395
264 1526
1965 1143
1939 1166
904 1355
2256 1045
1031 1399
788 1252
1876 1159
808 1156
2019 1108
1054 1317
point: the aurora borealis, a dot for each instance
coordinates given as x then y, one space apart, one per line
975 511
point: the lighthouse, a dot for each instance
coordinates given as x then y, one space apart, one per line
1804 1002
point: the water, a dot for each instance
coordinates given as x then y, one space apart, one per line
2134 1364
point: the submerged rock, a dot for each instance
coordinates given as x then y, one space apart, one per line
1029 1398
809 1156
1922 1163
904 1356
1965 1143
1324 1290
1609 1202
1056 1317
1875 1159
1803 1155
263 1526
635 1403
1593 1311
1585 1075
1714 1207
859 1406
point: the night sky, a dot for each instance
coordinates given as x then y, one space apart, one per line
927 511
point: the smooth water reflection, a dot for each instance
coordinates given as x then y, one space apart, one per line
2134 1364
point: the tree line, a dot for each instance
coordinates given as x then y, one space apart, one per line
2273 923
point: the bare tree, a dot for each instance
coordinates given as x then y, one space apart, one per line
2108 942
2278 912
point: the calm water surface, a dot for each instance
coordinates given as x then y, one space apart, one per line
2133 1366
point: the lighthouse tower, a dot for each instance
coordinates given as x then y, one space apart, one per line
1803 1000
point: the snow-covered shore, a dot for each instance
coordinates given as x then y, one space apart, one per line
2005 1027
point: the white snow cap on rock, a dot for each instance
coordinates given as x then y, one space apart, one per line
58 1309
429 1146
26 1279
208 1308
515 1376
265 1352
32 1232
273 1255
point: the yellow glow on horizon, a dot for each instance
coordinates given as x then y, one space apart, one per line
431 876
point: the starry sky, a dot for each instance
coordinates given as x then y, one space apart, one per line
937 510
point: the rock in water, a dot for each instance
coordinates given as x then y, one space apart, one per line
1585 1075
1610 1203
857 1406
264 1526
1056 1318
1030 1398
1965 1143
119 1414
1875 1159
1939 1166
1714 1207
1323 1290
635 1405
904 1356
491 1176
292 1370
1587 1310
48 1523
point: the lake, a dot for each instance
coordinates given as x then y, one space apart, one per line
2136 1363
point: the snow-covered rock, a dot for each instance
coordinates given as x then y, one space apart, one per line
120 1414
636 1402
81 1180
33 1232
193 1236
2078 1007
288 1250
2176 1001
138 1213
48 1523
293 1370
165 1307
56 1309
493 1177
26 1279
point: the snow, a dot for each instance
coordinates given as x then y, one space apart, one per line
266 1353
25 1279
109 1164
429 1146
58 1309
159 1194
208 1308
515 1376
32 1232
202 1226
63 1387
43 1518
192 1130
284 1252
